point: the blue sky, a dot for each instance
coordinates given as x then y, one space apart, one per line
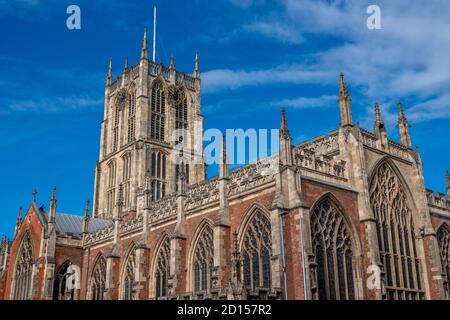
255 56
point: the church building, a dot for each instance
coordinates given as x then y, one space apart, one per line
345 216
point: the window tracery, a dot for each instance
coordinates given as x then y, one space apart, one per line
396 236
443 236
129 276
203 262
162 270
98 285
158 111
256 252
333 249
24 271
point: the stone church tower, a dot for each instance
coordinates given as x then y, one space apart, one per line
152 121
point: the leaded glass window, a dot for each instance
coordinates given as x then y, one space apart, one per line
126 179
333 249
162 269
181 113
116 123
443 236
98 280
111 191
24 271
158 111
159 175
131 115
203 260
256 252
396 236
129 276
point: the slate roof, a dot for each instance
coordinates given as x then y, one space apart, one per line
70 224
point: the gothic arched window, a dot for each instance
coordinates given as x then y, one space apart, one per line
203 260
256 252
131 115
162 269
158 111
396 236
110 194
333 249
181 112
126 179
443 236
98 280
129 276
59 285
158 173
116 122
24 270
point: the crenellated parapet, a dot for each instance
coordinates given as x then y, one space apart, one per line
395 149
155 70
438 200
100 235
320 157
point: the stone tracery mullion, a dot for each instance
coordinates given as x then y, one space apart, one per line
129 275
98 279
162 269
443 236
256 244
398 253
203 256
24 270
331 232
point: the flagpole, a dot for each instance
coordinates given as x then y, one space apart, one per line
154 34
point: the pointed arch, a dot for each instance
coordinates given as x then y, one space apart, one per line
131 112
201 258
334 247
23 273
395 215
129 274
159 173
60 291
98 278
256 248
443 237
161 267
385 160
181 109
158 110
126 178
117 107
111 186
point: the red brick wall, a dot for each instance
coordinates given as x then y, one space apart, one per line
32 225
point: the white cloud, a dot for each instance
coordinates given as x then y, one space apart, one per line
308 102
408 57
276 30
217 80
52 105
244 3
